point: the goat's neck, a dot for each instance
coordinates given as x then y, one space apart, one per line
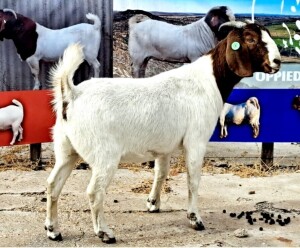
25 37
225 78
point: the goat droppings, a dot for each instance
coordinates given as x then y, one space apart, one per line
266 217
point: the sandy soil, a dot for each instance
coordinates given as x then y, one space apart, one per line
22 203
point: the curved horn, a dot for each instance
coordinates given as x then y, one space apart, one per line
11 11
235 24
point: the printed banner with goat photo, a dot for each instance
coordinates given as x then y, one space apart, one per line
33 36
274 115
148 38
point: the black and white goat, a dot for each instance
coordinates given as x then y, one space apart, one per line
35 42
173 43
106 121
248 111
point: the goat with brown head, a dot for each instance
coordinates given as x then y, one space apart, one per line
248 48
6 15
21 30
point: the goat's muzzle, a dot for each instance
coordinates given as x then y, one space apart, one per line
272 67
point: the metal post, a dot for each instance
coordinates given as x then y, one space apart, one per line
106 55
267 155
35 152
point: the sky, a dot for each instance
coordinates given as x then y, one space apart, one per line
286 7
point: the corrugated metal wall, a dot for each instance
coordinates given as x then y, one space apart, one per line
54 14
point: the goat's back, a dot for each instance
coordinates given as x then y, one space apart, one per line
136 116
60 39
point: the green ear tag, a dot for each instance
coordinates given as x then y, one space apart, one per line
235 46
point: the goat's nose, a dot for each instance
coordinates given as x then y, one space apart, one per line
277 61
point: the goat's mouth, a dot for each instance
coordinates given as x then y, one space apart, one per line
271 69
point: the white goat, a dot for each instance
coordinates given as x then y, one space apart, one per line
167 42
247 111
106 121
11 117
35 42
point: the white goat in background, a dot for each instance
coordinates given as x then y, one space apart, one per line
248 111
11 117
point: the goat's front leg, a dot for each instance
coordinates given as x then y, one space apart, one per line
255 128
161 169
65 160
224 132
96 67
102 174
194 159
35 70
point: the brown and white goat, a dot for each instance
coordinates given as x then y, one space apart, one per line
106 121
35 42
159 40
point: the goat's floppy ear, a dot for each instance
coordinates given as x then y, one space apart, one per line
2 25
237 54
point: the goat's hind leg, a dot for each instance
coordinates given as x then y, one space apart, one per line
161 169
20 133
102 174
65 159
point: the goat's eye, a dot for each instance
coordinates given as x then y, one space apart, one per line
251 40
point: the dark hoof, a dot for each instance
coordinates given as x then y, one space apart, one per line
106 239
154 211
199 226
57 238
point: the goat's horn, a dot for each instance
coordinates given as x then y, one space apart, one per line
236 24
11 11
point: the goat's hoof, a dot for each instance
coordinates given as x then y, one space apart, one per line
153 206
57 237
195 222
154 210
199 226
106 239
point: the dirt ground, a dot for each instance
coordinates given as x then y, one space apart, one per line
23 203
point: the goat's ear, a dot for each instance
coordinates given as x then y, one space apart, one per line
2 25
237 54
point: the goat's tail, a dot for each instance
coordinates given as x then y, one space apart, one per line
96 19
137 19
16 102
61 77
